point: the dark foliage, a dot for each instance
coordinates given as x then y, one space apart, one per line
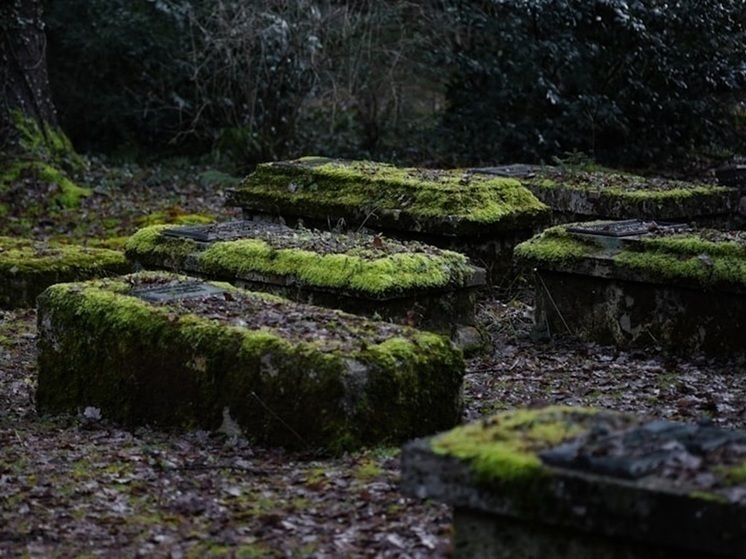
627 82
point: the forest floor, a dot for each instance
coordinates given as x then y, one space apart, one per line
79 486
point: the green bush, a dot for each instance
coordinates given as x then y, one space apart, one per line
627 82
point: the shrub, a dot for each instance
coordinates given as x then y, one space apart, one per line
628 82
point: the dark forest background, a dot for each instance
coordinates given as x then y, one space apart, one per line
440 83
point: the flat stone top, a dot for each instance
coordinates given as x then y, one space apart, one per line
176 297
624 185
367 265
662 254
387 197
23 256
596 470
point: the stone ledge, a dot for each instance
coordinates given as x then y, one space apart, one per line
406 282
28 267
290 375
666 490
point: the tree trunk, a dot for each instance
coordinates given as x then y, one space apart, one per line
23 71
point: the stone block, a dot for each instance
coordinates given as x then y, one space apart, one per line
636 283
405 282
483 217
582 483
175 352
28 267
577 195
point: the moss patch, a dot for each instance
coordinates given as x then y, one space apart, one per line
27 267
555 246
290 375
359 264
433 201
504 447
691 257
704 258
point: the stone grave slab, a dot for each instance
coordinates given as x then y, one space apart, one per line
653 284
402 281
176 352
582 483
28 267
577 195
481 216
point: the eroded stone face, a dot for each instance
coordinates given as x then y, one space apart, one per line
170 351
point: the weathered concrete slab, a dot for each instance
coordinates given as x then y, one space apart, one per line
672 286
482 216
174 352
579 483
576 195
405 282
27 267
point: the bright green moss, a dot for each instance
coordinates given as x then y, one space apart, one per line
397 272
555 246
20 256
150 240
358 269
504 447
689 257
376 187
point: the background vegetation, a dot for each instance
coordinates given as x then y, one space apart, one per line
451 82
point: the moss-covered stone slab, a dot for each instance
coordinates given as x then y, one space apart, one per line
288 374
578 195
28 267
582 483
481 216
405 282
672 286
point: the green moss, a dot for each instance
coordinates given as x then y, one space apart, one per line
623 186
689 257
19 256
555 246
49 144
375 187
398 272
69 193
358 269
150 241
174 216
504 447
732 475
327 382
